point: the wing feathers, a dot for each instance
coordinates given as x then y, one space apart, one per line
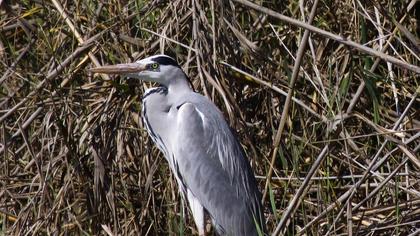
215 170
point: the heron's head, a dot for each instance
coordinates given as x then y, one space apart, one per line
159 68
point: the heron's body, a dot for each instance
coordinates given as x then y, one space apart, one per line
207 160
205 168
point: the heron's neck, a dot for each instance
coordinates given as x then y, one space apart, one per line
179 85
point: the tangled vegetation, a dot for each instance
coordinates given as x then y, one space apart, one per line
323 96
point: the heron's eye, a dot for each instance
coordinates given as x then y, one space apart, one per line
154 66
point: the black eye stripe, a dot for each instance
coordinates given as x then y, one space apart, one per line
164 60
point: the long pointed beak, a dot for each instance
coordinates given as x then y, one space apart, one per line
120 69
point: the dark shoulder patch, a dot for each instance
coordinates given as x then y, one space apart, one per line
165 60
180 105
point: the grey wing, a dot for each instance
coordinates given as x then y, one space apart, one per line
212 166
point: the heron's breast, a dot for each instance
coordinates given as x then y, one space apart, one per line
160 114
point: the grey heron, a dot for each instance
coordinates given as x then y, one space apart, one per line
205 157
